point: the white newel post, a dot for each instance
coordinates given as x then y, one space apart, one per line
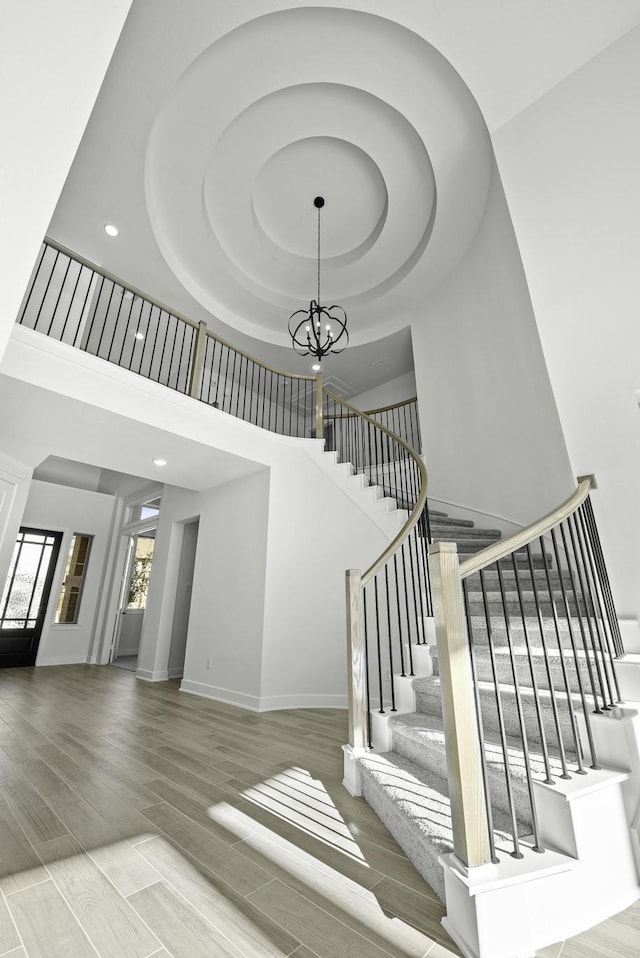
466 789
357 675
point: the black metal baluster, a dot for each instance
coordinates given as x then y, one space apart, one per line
55 308
71 302
586 602
597 588
400 640
545 651
576 658
516 853
106 317
565 676
388 607
32 285
480 724
534 681
405 589
592 587
46 290
525 742
614 625
84 306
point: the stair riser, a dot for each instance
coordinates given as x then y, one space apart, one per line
529 605
444 533
563 636
484 670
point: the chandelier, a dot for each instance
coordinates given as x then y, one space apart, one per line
316 331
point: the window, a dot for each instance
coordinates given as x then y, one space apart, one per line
142 560
145 510
74 576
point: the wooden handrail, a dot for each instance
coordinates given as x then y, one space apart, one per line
518 540
167 309
372 412
422 495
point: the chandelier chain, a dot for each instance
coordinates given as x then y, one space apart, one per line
318 300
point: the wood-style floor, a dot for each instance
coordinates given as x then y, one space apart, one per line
136 820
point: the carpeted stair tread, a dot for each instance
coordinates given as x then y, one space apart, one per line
442 519
420 738
428 701
414 805
553 660
444 531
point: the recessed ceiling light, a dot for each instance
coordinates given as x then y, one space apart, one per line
139 335
316 367
159 462
111 230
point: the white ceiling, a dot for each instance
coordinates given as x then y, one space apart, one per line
44 423
219 121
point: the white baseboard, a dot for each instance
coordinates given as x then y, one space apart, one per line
229 696
123 652
310 700
269 703
61 660
148 676
176 673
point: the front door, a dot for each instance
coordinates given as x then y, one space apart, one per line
26 594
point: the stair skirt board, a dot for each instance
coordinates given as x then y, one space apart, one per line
590 823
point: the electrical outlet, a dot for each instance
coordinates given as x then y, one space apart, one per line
209 662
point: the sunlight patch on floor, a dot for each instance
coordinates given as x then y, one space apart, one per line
303 802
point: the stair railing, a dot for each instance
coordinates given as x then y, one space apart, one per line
73 301
402 418
388 603
557 634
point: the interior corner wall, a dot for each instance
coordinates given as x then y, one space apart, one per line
570 164
63 509
490 427
54 57
386 394
225 635
315 533
178 505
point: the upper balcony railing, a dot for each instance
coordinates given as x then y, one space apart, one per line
75 302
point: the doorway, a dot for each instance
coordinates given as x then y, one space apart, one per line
133 599
26 595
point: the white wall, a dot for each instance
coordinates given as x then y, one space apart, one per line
571 170
490 428
44 49
15 478
315 534
178 505
184 590
66 510
226 622
386 394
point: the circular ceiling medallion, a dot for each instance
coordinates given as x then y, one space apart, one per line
354 193
384 129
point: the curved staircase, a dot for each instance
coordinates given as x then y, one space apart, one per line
529 621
